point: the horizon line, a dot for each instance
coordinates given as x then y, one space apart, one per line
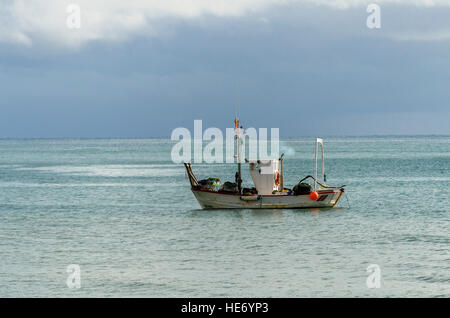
168 137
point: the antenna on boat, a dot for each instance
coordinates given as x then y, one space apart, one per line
238 104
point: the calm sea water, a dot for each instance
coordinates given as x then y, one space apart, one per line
123 212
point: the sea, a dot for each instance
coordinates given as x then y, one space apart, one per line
116 218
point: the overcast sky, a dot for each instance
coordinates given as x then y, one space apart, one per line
142 68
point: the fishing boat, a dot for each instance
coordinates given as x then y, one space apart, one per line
268 191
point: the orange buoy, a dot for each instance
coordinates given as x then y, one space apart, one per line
313 195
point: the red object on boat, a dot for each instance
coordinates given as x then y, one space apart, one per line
313 195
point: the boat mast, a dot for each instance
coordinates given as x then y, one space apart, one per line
237 129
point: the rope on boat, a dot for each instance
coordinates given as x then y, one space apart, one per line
348 202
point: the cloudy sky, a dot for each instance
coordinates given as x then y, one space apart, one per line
142 68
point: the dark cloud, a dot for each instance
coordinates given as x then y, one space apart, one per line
308 70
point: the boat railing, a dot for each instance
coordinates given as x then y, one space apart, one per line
323 186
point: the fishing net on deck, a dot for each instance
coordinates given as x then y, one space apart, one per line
210 184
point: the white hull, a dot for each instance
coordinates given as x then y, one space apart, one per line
216 200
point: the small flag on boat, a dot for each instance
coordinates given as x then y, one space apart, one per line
236 123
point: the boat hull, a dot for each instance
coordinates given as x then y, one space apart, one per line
216 200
